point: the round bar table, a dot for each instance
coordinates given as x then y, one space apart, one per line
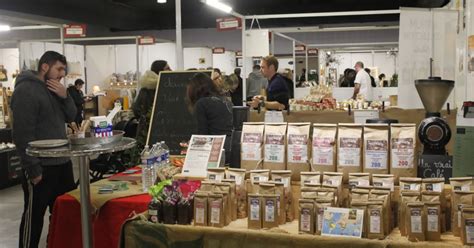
83 152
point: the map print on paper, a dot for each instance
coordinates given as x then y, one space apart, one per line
342 222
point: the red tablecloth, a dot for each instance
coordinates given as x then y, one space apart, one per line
65 225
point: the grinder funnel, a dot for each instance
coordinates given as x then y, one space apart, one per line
434 92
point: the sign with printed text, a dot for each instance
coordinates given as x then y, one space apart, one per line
300 48
146 40
218 50
75 30
313 51
231 23
204 151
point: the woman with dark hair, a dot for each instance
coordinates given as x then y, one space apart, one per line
143 105
212 110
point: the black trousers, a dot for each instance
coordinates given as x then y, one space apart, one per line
56 181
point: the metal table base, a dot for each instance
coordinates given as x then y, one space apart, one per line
83 152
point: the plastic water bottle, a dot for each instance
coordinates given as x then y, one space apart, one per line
148 169
157 154
166 153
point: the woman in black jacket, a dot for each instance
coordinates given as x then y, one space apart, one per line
143 105
212 110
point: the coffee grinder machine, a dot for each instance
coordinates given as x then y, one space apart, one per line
434 132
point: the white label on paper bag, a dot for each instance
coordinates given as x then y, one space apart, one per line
284 180
278 205
320 219
349 152
305 222
436 187
254 209
323 151
251 146
200 213
274 148
403 152
432 220
215 177
238 179
152 212
297 148
269 211
376 154
469 230
215 212
375 221
466 188
259 179
415 217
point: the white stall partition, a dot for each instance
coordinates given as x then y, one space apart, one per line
197 57
100 64
425 34
31 52
10 59
158 51
226 62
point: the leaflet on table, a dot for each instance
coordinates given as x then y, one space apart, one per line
297 148
323 151
349 152
376 154
342 222
204 151
403 152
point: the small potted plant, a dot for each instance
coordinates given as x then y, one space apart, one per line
171 196
155 208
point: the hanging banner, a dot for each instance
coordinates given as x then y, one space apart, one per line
75 30
312 51
231 23
146 40
218 50
300 48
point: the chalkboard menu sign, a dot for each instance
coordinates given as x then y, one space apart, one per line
435 166
171 120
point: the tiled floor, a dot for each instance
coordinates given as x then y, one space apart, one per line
11 208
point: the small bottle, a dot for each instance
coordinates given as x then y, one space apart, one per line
148 169
166 153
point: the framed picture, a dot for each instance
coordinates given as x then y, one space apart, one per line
239 62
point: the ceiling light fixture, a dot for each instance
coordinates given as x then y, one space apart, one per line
4 28
218 5
161 1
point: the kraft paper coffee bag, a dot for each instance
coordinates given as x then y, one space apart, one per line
240 190
200 208
306 223
415 221
462 183
467 227
324 147
376 221
252 145
433 221
310 177
255 211
402 151
349 149
376 150
216 212
275 146
298 149
270 217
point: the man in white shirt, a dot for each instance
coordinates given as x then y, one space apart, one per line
362 83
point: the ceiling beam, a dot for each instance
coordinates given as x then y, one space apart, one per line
325 14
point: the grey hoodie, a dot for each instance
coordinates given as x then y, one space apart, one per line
255 83
38 114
